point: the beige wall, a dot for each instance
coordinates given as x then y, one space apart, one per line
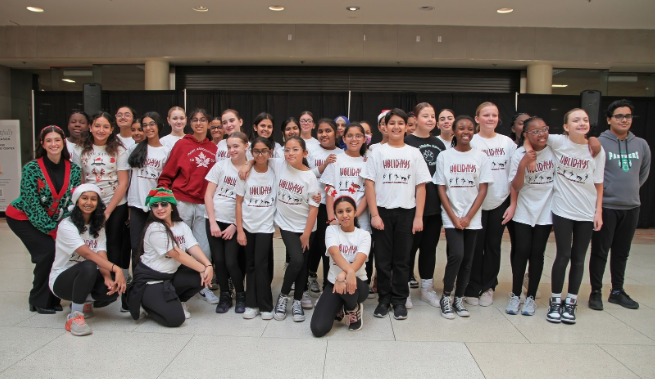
5 93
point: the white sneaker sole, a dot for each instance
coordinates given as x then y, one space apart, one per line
512 312
314 294
298 318
463 314
267 316
568 321
553 320
409 304
448 316
279 317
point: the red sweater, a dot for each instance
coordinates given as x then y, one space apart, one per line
187 166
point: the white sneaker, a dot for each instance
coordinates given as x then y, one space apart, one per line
526 281
513 304
487 298
208 296
187 314
306 301
472 300
250 313
529 307
314 288
142 313
408 302
430 296
267 315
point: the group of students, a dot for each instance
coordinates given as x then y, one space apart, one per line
114 195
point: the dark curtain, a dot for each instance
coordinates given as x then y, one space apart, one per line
549 107
467 103
143 101
53 108
366 106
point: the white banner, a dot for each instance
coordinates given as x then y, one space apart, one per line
10 168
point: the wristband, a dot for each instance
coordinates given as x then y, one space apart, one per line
330 220
112 267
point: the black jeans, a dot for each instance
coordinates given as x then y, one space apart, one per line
137 222
572 240
169 313
78 282
118 241
486 259
42 252
331 303
427 241
225 256
618 229
529 246
296 272
317 249
393 245
461 246
258 281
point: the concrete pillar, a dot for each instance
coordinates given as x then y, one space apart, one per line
157 77
540 78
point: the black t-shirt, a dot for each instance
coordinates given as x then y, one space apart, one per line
430 148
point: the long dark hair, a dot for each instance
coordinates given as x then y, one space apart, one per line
261 117
355 124
350 201
40 151
113 143
96 221
458 119
512 135
287 122
140 153
175 217
303 145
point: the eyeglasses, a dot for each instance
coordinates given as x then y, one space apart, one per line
256 153
196 120
620 117
150 124
356 136
121 115
216 127
161 204
306 121
294 150
537 132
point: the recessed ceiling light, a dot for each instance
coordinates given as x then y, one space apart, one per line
35 9
352 9
68 80
200 9
560 85
505 10
426 8
276 8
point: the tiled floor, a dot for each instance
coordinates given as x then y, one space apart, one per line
616 343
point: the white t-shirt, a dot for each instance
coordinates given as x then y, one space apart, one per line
344 176
295 189
462 174
574 195
225 176
279 151
71 147
101 169
221 153
68 240
157 244
533 202
316 158
446 143
311 144
258 207
127 142
349 244
170 141
499 149
143 179
396 172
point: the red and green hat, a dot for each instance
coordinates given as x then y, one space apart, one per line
160 194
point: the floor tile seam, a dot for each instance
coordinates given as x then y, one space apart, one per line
327 345
629 326
176 355
505 315
616 359
34 351
474 360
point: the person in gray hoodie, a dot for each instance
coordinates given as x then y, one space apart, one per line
626 170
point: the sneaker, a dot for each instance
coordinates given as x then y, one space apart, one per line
124 307
250 313
408 302
621 298
430 296
214 284
187 314
208 296
472 300
306 301
596 300
240 302
526 281
446 307
568 313
312 284
371 293
340 315
529 307
413 283
76 325
142 313
400 312
554 310
281 308
513 305
487 298
267 315
88 310
230 285
381 310
460 309
225 303
296 310
354 319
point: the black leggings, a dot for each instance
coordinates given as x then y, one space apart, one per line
296 272
529 246
42 252
331 303
461 246
317 248
137 222
169 313
258 281
77 282
225 255
426 240
572 240
486 259
118 240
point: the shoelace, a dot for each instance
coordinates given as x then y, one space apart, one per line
459 305
445 305
352 317
514 301
79 320
555 307
296 308
281 305
529 302
569 308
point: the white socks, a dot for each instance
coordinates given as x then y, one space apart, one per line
426 283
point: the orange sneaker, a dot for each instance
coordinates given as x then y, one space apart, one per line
76 324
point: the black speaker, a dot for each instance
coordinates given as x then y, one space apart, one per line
590 102
92 98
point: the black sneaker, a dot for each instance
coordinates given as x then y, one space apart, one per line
400 312
413 283
621 298
554 313
225 303
568 311
596 300
354 318
381 310
340 315
240 303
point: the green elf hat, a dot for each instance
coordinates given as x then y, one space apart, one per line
160 194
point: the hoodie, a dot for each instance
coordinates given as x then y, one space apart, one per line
626 170
187 166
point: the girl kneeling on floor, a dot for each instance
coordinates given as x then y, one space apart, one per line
346 290
81 272
166 276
